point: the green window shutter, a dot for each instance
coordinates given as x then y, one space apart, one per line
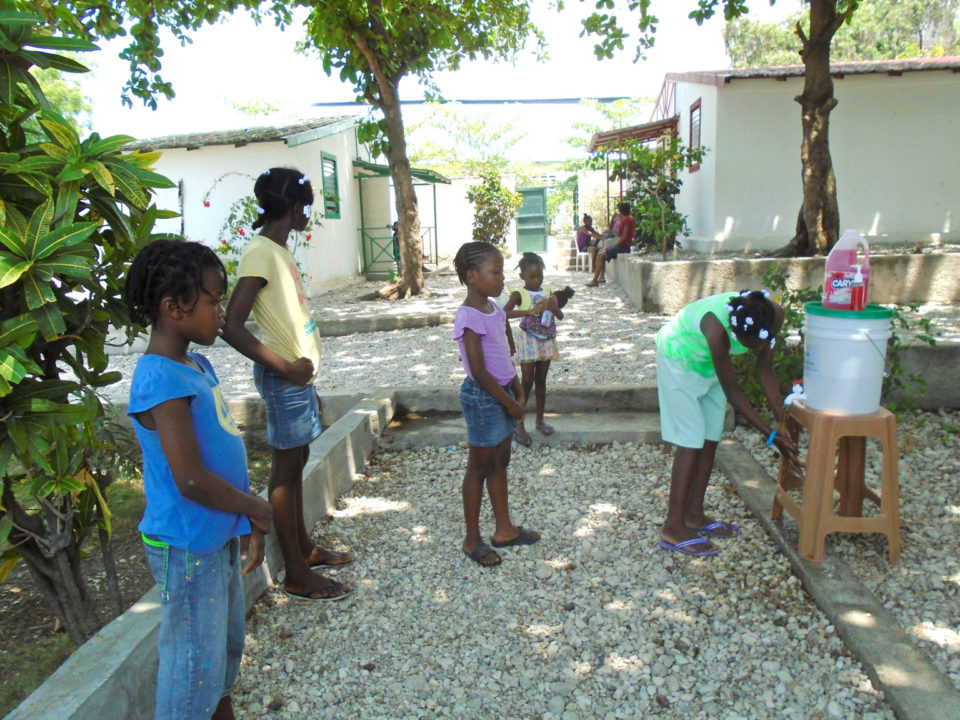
331 189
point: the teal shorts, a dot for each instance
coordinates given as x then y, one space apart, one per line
692 407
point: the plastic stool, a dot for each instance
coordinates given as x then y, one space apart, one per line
816 516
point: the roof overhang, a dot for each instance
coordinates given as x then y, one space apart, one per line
648 131
362 169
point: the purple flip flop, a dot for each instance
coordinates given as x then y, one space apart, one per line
685 547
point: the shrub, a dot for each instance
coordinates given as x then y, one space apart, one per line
72 214
495 207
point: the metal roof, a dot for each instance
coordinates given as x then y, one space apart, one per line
838 70
647 131
369 169
293 135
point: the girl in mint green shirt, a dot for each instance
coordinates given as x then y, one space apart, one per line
695 381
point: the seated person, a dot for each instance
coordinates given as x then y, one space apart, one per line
588 238
623 229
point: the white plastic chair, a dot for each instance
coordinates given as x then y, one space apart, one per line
584 262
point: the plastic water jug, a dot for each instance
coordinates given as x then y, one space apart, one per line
846 280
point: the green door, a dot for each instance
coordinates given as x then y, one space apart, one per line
532 220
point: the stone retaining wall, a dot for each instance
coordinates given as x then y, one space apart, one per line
666 286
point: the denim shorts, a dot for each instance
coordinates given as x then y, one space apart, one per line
488 422
293 413
615 250
201 627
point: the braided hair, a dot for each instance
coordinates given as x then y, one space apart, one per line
752 315
279 189
469 257
168 268
530 260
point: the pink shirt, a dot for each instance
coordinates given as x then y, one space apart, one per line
491 327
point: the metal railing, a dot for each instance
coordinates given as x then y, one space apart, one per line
380 251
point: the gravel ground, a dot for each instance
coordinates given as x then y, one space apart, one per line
599 623
602 339
923 589
592 622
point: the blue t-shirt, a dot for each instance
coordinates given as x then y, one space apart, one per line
169 516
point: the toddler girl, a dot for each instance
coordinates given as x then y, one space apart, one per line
537 343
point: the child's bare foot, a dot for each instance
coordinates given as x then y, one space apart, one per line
482 554
520 537
319 557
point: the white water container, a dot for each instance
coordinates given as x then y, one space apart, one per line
843 357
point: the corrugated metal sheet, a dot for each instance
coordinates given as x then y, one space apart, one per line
292 135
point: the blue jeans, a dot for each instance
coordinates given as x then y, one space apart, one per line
201 628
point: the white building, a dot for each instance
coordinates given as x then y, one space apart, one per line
892 135
353 209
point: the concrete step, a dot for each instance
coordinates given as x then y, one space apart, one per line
576 428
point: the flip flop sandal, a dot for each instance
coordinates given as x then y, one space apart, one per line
524 439
685 547
333 559
480 552
334 590
524 538
545 429
719 529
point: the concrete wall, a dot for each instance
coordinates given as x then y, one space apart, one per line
665 287
888 135
223 174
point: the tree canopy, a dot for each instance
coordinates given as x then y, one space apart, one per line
879 30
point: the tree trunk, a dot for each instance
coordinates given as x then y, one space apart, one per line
820 216
408 217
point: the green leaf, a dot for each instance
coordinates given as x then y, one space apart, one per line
29 437
16 17
7 566
37 291
60 43
13 369
67 200
63 237
103 177
72 265
13 241
50 321
127 184
10 270
16 328
8 83
103 146
38 227
61 133
59 62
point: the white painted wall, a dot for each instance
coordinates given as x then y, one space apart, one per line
224 173
455 213
890 139
697 195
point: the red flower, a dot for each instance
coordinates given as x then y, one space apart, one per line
206 203
309 236
241 231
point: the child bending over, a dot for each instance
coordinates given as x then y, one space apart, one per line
695 380
491 397
195 480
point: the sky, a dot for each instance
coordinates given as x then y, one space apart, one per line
237 61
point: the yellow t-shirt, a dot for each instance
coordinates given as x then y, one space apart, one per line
281 308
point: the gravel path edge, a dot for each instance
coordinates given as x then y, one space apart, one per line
913 686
